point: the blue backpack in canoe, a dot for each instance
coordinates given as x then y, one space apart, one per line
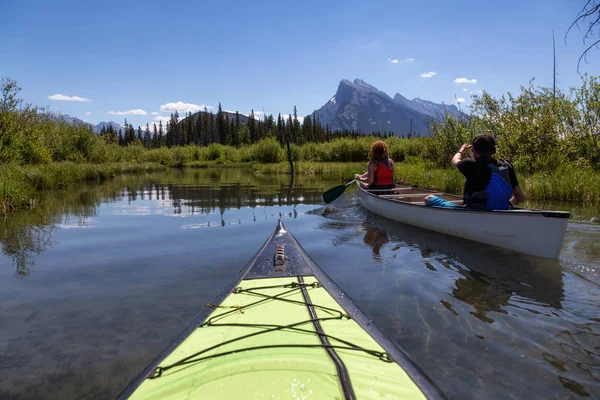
498 192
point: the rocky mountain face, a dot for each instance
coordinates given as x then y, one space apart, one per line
362 107
98 127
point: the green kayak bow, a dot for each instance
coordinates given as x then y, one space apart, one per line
285 330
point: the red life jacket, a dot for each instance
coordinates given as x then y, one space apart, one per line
384 175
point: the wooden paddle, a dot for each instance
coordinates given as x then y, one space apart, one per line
336 192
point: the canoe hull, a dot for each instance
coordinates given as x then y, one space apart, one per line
526 231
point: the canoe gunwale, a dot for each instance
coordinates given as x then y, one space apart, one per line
414 372
515 211
540 233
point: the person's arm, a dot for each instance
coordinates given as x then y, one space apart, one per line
459 155
518 196
371 173
364 177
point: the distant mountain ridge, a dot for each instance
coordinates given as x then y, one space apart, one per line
362 107
96 128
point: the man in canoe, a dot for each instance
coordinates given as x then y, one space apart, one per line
490 184
380 170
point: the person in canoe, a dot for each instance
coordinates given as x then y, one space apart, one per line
490 184
380 170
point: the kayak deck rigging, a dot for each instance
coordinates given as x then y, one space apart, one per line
284 330
267 328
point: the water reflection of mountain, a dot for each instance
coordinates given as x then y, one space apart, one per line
487 278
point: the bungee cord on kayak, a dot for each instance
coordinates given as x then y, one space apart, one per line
284 326
295 286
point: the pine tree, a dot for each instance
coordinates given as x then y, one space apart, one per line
252 128
161 138
221 133
280 129
147 137
155 137
296 128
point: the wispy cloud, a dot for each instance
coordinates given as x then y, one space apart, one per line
183 107
427 74
88 113
460 100
460 81
62 97
162 118
395 60
137 111
465 89
479 92
155 113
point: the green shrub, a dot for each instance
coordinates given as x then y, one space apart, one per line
268 151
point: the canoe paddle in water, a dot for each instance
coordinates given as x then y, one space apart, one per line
336 192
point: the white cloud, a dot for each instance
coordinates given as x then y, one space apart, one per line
183 107
62 97
459 81
155 113
465 89
88 113
161 118
395 60
137 111
428 74
479 92
460 100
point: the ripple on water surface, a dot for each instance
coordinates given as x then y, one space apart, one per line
94 285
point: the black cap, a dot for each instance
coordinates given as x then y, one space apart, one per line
484 145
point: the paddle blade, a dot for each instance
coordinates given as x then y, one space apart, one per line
334 193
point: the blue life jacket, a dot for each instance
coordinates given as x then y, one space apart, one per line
498 192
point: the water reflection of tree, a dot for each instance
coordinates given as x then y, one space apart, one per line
26 234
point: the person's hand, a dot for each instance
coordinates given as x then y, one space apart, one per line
464 147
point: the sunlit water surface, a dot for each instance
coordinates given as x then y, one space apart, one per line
97 282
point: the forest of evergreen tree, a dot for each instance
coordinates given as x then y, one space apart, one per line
204 128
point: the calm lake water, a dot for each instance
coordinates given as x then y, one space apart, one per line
98 281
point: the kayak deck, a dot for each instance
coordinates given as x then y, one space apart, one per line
280 333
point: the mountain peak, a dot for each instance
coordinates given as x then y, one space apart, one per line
399 98
361 83
362 107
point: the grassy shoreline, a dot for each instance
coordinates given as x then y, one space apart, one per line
578 185
23 186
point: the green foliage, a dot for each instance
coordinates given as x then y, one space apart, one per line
268 151
21 186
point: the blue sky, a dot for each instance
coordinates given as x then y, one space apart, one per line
132 59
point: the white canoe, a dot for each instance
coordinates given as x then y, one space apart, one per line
536 232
